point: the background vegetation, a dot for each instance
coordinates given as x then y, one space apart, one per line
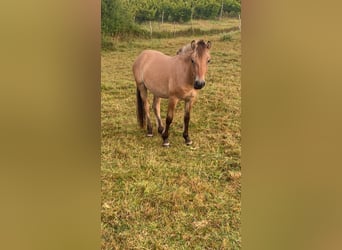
121 16
182 197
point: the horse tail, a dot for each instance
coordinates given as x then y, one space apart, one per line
140 110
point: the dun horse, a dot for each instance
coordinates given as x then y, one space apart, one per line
175 78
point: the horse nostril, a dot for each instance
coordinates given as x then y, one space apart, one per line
199 84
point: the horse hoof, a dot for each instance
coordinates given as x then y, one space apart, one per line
149 135
166 144
188 143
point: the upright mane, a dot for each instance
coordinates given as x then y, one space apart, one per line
200 45
185 49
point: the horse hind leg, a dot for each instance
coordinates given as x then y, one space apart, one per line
156 109
146 108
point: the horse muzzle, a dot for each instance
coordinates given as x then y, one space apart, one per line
199 84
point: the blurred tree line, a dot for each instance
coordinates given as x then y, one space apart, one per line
121 16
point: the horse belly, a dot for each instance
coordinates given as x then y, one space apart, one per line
156 79
157 88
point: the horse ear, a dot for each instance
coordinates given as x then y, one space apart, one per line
193 44
208 44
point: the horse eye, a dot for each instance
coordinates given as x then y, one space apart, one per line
209 60
192 61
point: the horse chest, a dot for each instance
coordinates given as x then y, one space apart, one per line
188 94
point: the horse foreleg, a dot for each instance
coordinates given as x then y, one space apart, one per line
170 111
187 108
156 109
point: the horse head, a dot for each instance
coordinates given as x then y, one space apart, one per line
200 58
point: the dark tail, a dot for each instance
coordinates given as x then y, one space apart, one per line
140 110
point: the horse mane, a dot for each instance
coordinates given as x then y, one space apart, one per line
186 48
200 46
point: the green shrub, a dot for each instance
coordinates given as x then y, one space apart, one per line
106 44
181 14
226 37
232 7
207 11
115 19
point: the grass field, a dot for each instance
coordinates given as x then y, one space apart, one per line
205 25
182 197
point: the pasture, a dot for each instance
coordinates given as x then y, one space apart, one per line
181 197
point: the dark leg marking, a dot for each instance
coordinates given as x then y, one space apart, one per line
187 108
165 134
170 110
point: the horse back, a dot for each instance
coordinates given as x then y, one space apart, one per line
151 57
154 69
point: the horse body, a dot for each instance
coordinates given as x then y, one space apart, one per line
163 75
174 78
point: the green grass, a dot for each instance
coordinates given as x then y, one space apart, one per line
182 197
